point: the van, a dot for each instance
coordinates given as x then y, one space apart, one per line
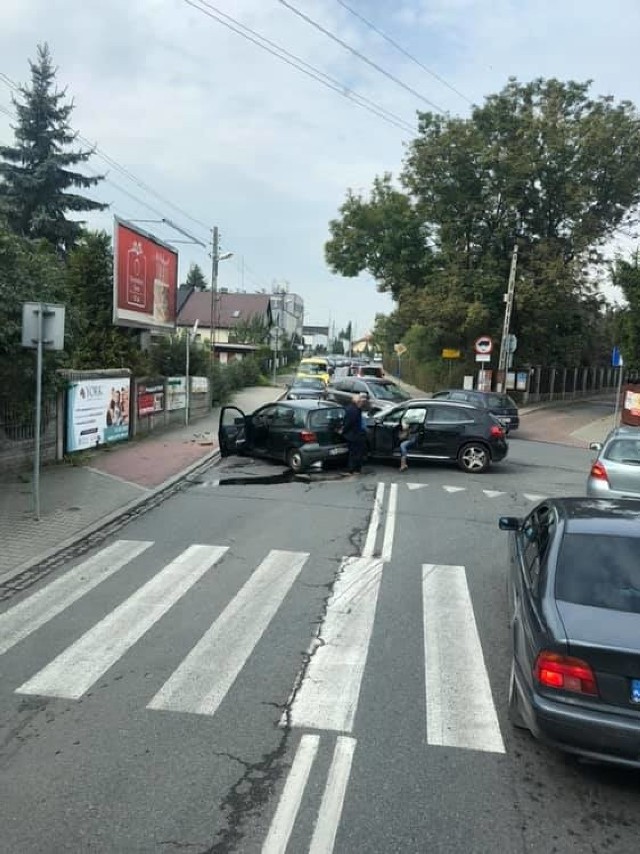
315 367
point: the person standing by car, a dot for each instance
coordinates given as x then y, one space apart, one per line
354 432
408 437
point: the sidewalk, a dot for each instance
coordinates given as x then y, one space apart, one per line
77 499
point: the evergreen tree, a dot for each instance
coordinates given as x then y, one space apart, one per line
37 177
195 278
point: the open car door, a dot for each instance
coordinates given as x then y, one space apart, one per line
232 431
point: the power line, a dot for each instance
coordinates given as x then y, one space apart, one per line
403 51
299 64
360 56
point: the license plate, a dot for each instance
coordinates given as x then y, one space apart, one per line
505 419
635 691
335 451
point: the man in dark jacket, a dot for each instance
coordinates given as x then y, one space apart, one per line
354 432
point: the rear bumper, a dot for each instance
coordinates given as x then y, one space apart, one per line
601 489
601 736
313 453
499 452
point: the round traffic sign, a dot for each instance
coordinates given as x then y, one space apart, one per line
483 345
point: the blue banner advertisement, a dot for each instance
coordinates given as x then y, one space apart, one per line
97 412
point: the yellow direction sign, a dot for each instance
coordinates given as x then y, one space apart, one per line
450 354
400 349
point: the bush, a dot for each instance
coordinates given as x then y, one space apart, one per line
233 377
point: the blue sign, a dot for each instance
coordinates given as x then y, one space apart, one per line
616 358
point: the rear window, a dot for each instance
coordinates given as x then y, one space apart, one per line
318 385
601 571
387 391
312 368
623 451
500 401
370 372
321 419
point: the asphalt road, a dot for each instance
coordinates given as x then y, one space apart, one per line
244 668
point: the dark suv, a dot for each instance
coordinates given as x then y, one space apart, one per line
499 405
446 431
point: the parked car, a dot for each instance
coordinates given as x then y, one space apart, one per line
501 405
297 432
574 609
382 393
366 370
305 388
447 431
616 471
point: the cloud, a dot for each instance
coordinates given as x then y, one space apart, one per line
235 137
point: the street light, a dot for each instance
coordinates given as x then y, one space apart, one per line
216 257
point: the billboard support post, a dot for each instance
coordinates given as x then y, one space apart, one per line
215 249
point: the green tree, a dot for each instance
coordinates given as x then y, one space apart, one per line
196 278
94 341
540 163
626 275
38 174
169 357
253 330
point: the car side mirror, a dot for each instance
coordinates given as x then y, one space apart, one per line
595 446
509 523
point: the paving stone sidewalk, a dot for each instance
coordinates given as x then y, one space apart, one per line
76 499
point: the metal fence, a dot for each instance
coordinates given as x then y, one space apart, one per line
549 383
17 432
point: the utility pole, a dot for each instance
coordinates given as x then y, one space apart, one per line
508 298
215 252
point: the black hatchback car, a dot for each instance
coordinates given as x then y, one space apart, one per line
446 431
298 432
573 593
501 405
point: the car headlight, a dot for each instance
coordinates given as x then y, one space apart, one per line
292 396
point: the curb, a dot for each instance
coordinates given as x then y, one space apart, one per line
150 497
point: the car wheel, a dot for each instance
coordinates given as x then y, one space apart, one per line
515 715
474 458
295 461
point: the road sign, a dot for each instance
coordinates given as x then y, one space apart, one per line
483 357
399 349
616 358
483 345
450 354
512 343
52 325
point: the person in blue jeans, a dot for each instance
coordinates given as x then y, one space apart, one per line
408 438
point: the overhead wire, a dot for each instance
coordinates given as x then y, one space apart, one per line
359 55
403 51
299 64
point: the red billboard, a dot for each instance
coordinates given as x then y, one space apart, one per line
145 281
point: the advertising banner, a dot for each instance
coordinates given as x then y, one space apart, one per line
150 397
199 385
630 414
145 281
521 380
176 393
97 412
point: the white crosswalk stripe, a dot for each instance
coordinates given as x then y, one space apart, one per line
460 708
20 621
202 681
76 669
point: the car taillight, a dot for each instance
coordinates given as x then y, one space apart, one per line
599 472
568 674
496 431
308 436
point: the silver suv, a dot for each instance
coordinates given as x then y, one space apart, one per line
615 472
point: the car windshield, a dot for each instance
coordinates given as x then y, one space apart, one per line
316 385
500 401
312 368
600 571
387 391
321 419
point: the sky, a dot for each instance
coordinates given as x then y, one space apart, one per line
213 130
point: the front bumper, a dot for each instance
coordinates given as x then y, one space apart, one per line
602 736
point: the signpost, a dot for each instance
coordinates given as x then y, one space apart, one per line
617 362
42 328
399 350
191 334
449 355
483 347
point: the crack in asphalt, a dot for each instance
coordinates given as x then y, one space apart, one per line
255 786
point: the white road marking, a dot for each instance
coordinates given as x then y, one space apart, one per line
203 679
291 798
460 709
20 621
324 835
493 493
417 485
531 497
374 522
328 695
454 488
390 524
76 669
